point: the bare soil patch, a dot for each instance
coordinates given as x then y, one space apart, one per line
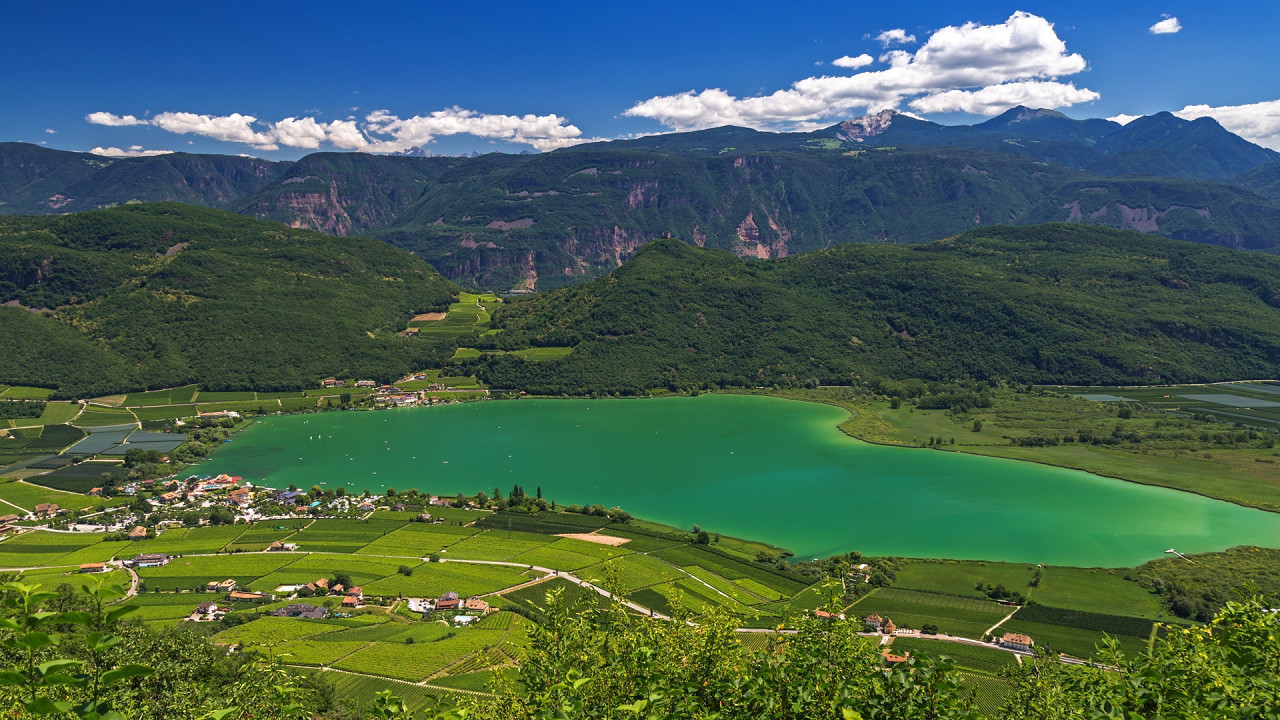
428 317
597 539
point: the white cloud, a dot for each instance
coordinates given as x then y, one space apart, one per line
1167 26
1123 119
133 151
897 36
51 131
380 132
1258 123
1016 62
228 128
995 99
852 63
106 118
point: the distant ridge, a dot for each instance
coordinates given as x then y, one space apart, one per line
535 222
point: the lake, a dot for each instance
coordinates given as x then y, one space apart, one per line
754 467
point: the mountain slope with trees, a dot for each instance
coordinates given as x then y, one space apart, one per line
161 295
1057 303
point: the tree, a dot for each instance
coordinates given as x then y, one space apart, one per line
977 425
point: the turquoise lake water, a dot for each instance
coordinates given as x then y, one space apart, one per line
753 467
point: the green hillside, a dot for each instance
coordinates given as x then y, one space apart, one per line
165 295
1195 210
1059 303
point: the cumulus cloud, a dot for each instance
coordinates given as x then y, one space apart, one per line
1258 122
1123 119
106 118
543 132
380 131
988 68
1167 26
995 99
897 36
852 63
51 131
133 151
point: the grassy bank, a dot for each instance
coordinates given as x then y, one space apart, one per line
1151 447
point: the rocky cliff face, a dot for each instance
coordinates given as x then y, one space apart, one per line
861 128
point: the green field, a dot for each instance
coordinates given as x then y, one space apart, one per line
55 413
166 606
962 578
467 316
1099 591
965 617
28 496
165 412
179 541
360 690
568 554
192 573
343 536
534 598
633 572
18 392
215 397
534 354
39 548
543 353
988 692
496 545
417 539
1078 642
434 579
416 661
271 631
172 396
98 416
260 535
307 568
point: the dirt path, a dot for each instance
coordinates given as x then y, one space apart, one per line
1003 620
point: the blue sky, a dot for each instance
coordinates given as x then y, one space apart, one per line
280 80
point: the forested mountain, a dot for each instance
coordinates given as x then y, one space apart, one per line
543 221
1057 303
165 294
36 180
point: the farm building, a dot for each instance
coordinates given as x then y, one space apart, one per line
1016 641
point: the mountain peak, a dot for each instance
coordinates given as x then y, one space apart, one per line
1022 113
860 128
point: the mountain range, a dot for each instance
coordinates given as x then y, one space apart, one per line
535 222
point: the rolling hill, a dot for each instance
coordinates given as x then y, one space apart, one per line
160 295
1057 303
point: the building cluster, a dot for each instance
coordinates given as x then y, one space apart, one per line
392 396
352 597
875 623
466 610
